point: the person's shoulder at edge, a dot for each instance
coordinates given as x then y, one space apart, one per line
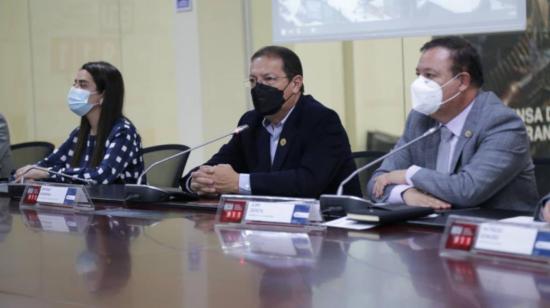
309 103
72 136
122 126
490 100
315 110
249 117
499 112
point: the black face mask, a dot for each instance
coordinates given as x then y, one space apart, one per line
267 99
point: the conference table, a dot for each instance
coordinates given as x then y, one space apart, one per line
155 257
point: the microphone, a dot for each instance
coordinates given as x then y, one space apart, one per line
16 189
236 131
68 176
341 202
148 193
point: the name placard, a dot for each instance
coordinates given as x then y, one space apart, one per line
56 195
232 211
469 236
506 238
280 211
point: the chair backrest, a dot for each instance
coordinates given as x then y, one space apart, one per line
379 141
362 158
168 173
27 153
542 175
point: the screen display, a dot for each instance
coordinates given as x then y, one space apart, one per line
314 20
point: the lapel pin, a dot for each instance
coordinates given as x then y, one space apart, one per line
282 142
468 133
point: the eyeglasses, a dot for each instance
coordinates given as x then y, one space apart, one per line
269 80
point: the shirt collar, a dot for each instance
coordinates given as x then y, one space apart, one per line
457 123
266 123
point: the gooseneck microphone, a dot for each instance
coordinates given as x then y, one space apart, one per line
236 131
67 176
381 158
339 201
148 193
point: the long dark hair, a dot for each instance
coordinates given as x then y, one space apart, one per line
109 82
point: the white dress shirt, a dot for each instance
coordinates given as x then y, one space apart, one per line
274 131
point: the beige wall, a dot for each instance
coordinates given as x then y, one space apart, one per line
223 67
43 43
184 72
211 68
16 84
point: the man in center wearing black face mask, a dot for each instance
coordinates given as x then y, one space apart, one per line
294 146
479 157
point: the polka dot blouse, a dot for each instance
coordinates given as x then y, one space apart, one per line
122 161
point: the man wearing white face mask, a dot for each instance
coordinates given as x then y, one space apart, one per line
479 157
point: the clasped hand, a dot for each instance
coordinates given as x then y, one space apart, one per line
394 177
28 173
411 196
215 180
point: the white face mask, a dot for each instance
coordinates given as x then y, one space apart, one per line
427 95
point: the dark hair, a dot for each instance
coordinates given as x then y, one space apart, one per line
291 63
464 55
108 81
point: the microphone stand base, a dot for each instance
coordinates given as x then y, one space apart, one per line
144 193
335 206
151 194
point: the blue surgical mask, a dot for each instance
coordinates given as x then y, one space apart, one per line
78 101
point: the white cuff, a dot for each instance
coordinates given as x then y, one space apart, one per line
411 171
188 185
395 193
244 184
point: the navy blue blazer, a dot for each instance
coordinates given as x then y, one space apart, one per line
314 160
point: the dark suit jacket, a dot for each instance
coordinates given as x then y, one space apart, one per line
314 160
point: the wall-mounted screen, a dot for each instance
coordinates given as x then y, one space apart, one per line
316 20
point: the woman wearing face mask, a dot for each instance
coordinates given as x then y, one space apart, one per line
106 147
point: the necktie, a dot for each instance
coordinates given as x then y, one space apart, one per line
444 151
